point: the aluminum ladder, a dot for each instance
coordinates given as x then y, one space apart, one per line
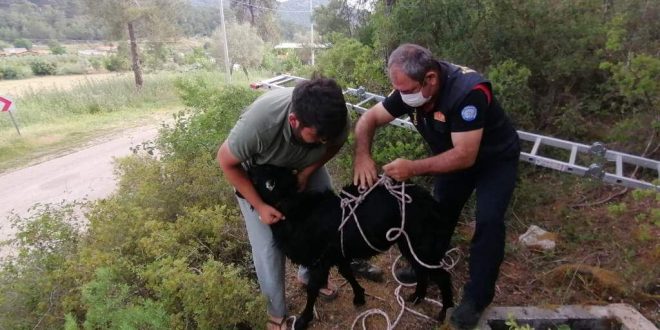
602 159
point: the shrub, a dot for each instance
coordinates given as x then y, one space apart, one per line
41 68
116 63
212 294
96 63
8 72
353 65
23 43
56 48
35 284
510 83
201 130
79 67
113 304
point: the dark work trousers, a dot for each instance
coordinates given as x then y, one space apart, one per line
494 183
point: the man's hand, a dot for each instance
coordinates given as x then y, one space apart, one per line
364 171
400 169
268 214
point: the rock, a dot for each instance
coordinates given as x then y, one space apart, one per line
539 239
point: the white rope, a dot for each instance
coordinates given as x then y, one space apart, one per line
398 190
351 203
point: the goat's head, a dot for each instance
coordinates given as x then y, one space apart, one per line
273 183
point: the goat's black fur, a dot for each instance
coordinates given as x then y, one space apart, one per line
309 235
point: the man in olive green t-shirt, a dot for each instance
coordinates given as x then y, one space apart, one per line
299 128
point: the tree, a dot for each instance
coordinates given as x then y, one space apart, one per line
245 46
340 16
150 19
260 15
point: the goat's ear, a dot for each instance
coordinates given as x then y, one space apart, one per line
270 185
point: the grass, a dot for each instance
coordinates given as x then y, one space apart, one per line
55 120
56 116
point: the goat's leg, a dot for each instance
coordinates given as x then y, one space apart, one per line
318 278
443 279
422 275
345 270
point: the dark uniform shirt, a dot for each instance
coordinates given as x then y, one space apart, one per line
465 103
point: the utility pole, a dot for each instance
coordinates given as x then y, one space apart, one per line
311 32
224 36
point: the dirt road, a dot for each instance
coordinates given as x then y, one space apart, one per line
86 173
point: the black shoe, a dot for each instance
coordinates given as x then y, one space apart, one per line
465 316
364 269
406 275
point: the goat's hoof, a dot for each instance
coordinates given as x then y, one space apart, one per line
359 300
415 298
301 323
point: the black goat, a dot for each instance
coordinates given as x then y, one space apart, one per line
309 235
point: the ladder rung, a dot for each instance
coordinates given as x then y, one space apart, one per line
537 144
574 150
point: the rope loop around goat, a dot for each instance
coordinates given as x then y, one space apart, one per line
398 190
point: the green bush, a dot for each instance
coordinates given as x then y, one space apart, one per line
353 65
23 43
116 63
112 304
37 284
510 82
56 48
215 109
8 72
42 68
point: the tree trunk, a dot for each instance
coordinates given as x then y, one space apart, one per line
137 70
251 9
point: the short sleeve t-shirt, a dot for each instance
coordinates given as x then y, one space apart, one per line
263 134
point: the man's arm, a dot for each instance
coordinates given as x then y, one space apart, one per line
238 178
364 167
305 173
462 155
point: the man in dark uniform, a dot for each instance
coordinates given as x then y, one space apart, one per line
473 145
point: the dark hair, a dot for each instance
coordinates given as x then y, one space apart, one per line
414 60
319 103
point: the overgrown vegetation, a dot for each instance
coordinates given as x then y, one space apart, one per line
181 259
169 250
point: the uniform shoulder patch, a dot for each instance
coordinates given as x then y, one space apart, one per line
469 113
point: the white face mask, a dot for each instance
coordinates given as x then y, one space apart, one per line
414 99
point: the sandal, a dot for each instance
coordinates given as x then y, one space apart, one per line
328 293
270 324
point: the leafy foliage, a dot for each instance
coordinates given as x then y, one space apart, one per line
23 43
164 252
510 82
352 64
245 46
42 68
56 48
